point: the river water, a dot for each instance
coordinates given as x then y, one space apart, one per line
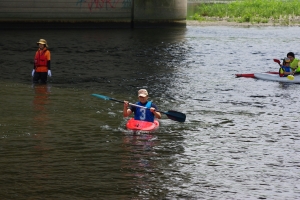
240 139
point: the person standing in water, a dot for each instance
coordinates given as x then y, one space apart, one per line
149 113
41 67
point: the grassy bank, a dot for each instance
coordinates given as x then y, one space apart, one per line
253 11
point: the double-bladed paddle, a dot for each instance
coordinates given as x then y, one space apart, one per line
171 114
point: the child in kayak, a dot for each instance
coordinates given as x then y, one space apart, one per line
285 68
148 111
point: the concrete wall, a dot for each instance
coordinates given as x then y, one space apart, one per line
65 10
81 11
160 9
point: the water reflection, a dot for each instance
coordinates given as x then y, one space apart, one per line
139 160
40 167
41 119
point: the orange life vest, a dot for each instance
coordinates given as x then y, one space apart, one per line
40 60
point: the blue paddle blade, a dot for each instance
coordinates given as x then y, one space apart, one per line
101 96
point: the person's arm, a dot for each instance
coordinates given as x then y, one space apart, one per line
33 71
48 65
126 110
154 109
34 61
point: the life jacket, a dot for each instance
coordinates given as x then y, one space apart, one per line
294 64
144 114
284 69
40 61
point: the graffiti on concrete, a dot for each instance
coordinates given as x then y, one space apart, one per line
103 4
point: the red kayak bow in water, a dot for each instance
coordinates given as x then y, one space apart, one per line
138 125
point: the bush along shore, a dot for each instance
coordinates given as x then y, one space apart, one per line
268 12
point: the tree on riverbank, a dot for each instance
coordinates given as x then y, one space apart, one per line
253 11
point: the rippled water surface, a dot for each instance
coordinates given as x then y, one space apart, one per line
240 139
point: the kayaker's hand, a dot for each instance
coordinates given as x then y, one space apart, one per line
126 104
155 113
152 110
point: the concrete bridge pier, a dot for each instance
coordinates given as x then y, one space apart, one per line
159 12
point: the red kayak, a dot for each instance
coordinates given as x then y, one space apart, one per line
252 75
138 125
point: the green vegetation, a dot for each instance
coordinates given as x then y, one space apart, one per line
253 11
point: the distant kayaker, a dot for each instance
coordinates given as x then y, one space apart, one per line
285 68
41 67
295 62
144 114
